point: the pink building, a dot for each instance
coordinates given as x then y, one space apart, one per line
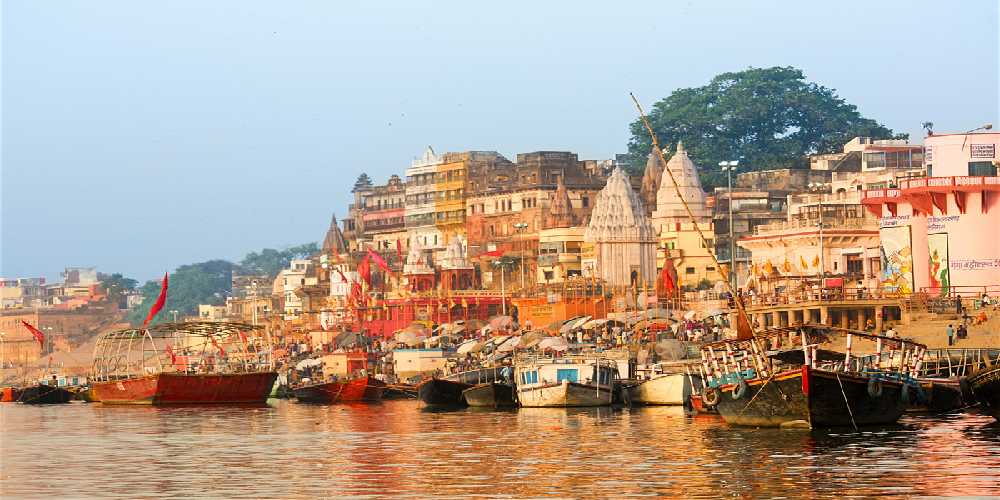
941 234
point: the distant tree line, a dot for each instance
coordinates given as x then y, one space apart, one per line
203 282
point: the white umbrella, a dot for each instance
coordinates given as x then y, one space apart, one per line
470 346
308 363
508 345
554 344
409 338
595 323
690 315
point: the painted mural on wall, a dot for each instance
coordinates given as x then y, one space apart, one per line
937 250
897 260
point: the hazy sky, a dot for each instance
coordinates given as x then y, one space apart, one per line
139 136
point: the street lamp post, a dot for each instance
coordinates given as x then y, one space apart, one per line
520 227
820 187
174 312
503 301
729 167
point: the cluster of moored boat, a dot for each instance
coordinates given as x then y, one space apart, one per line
809 375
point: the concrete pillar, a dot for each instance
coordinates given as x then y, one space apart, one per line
845 319
879 320
824 315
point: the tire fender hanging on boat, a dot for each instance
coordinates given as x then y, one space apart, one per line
740 390
710 397
874 387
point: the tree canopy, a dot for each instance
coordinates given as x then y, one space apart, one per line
270 261
765 117
192 284
116 286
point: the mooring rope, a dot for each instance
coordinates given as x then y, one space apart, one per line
849 412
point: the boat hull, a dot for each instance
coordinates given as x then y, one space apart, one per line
938 395
492 395
813 398
400 391
673 389
44 395
566 394
442 392
182 389
358 389
985 386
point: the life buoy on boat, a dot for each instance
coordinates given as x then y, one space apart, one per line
710 397
740 390
874 387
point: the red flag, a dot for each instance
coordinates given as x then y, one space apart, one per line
399 249
222 352
172 354
243 337
379 260
162 299
344 278
668 279
495 253
39 336
365 270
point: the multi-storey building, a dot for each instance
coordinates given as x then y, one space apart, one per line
378 216
506 204
940 234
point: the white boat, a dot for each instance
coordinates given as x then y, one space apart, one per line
665 384
583 380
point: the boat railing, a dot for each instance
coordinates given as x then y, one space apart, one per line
184 348
768 352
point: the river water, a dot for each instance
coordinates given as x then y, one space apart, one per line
396 448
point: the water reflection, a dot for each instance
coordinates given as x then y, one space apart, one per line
393 448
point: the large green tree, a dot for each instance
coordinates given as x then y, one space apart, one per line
202 283
116 286
270 261
766 117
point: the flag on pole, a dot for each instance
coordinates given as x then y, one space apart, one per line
342 277
399 249
803 263
171 353
816 261
243 336
35 332
365 270
222 352
379 260
160 301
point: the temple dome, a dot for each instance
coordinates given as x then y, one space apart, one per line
560 212
454 255
651 179
669 208
334 242
624 240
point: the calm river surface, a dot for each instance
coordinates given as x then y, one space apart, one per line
397 449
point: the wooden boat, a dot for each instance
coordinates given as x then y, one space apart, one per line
87 395
448 391
572 380
782 377
937 396
943 378
665 384
42 394
400 391
365 388
985 386
490 394
183 363
9 394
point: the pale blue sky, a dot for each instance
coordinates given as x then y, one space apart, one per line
138 136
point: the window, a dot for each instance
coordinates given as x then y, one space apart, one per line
982 169
689 270
585 201
568 374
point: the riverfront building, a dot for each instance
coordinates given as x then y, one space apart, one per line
623 239
940 234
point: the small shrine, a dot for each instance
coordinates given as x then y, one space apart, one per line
623 238
417 271
456 272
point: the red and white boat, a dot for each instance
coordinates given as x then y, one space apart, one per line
183 363
341 391
339 377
